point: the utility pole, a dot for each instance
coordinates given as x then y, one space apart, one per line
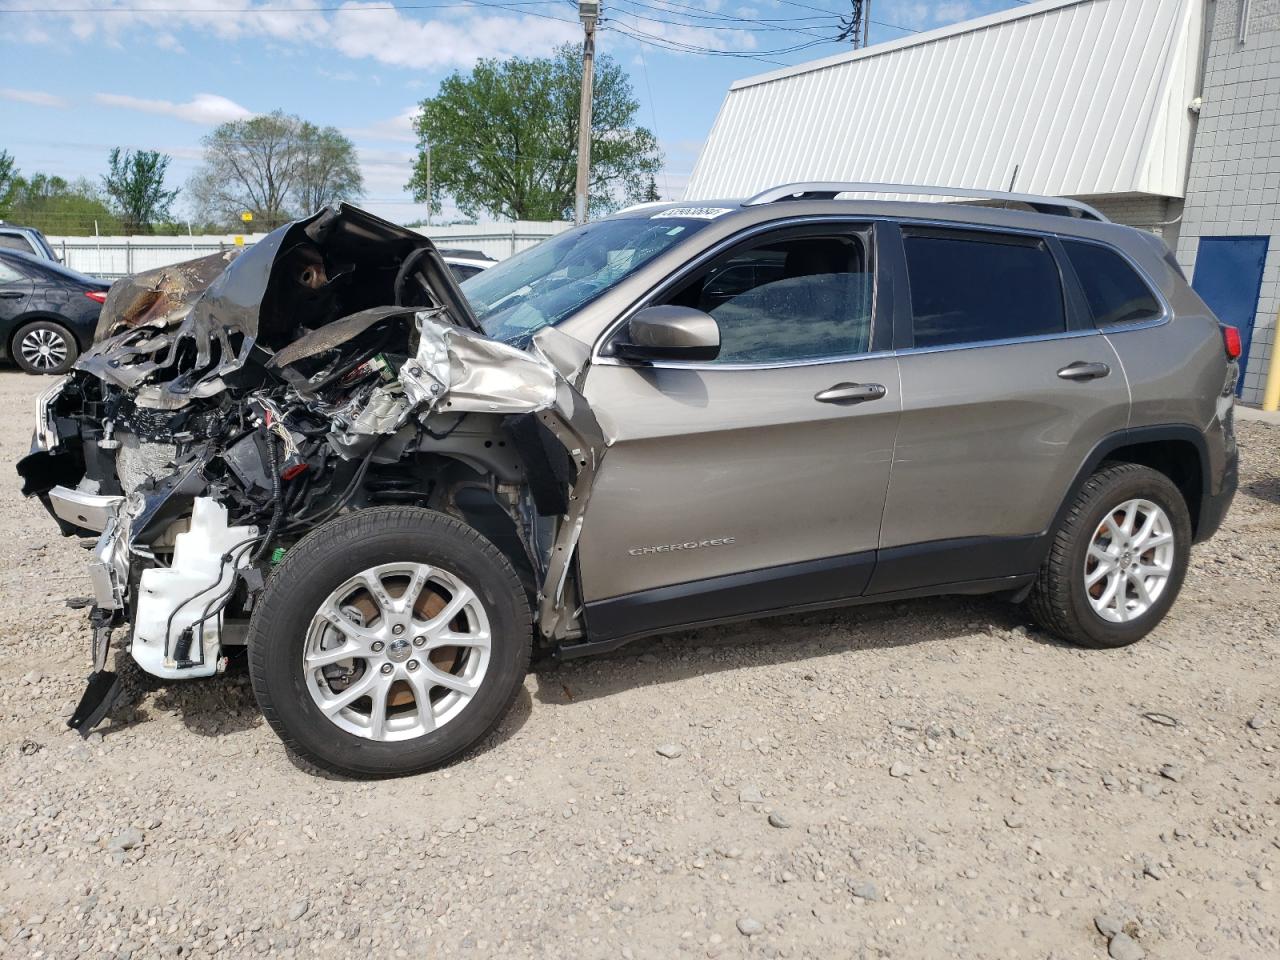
429 194
856 27
589 12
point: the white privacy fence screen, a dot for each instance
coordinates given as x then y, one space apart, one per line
114 257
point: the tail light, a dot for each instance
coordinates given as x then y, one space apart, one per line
1231 342
98 296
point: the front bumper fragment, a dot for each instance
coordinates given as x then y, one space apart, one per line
89 511
109 566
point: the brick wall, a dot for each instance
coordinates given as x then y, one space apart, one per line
1234 185
1145 211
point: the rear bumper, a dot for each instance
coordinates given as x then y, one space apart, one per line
1220 486
1214 506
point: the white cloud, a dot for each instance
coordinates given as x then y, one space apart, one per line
398 128
36 98
204 108
926 16
372 30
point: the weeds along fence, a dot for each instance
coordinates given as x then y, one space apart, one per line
115 257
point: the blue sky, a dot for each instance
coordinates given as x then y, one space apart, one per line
82 76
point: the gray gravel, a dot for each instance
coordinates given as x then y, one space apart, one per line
1032 789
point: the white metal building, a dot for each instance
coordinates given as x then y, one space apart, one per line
1122 103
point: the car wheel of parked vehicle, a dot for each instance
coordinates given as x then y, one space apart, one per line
1117 561
389 641
44 346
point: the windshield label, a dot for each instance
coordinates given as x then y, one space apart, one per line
696 213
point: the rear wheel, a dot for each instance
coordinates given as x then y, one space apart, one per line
44 346
388 642
1117 561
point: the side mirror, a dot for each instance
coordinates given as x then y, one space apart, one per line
669 333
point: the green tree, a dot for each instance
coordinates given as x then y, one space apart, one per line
54 206
135 184
503 139
330 171
8 182
274 166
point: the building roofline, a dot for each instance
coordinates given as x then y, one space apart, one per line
915 40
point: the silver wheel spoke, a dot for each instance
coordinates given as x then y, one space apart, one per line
1102 570
1156 541
417 580
332 614
1109 594
372 582
332 705
1140 587
422 698
378 710
439 678
1144 533
461 597
324 658
447 638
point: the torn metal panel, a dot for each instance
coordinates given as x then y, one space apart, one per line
575 426
161 297
476 374
335 334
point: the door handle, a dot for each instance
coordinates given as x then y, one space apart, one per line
1081 371
11 294
850 393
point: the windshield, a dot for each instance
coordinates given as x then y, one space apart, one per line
544 284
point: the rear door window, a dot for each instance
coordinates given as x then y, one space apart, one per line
972 287
788 299
1115 292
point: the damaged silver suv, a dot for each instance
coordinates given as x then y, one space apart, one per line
394 491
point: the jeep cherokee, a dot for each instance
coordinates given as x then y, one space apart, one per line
394 491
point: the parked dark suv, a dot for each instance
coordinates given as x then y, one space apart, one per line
679 415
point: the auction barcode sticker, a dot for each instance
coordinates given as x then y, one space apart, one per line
696 213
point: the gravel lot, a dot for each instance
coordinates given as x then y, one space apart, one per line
931 779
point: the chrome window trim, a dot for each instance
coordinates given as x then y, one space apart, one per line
775 365
810 219
1003 342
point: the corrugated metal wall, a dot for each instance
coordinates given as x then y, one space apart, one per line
1082 96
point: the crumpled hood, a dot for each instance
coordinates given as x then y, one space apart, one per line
177 332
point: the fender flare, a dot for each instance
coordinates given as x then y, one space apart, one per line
1126 438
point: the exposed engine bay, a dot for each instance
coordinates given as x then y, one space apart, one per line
232 404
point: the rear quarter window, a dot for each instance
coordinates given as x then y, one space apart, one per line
973 288
14 241
1115 292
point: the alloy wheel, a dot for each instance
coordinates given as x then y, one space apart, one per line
1129 561
397 651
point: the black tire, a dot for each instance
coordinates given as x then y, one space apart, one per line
60 347
1059 600
317 566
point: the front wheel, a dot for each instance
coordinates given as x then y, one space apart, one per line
1117 560
389 641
